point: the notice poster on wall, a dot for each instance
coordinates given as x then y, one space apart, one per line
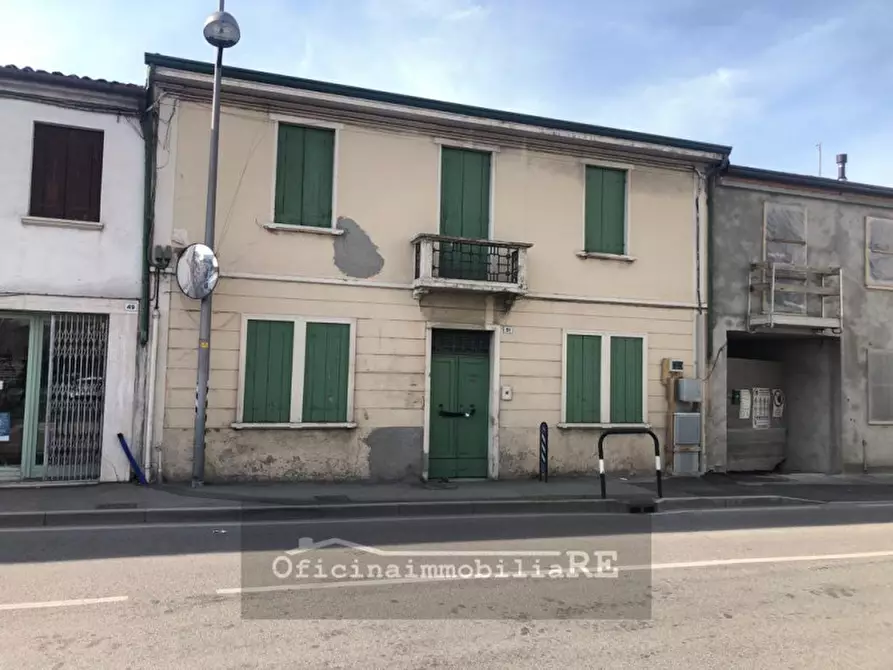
762 402
777 403
5 426
744 406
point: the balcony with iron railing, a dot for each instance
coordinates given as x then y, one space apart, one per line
795 297
444 263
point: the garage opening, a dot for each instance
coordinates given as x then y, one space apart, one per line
783 403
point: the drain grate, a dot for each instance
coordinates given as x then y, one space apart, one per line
121 505
642 507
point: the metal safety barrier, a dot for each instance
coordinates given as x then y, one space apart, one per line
628 431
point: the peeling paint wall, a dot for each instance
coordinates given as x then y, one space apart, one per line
836 236
395 453
355 253
574 452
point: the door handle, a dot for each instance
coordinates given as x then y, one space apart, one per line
456 415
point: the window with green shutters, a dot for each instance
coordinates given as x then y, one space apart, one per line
297 371
326 363
604 379
605 210
584 378
269 347
626 380
305 160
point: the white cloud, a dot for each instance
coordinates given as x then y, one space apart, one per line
704 105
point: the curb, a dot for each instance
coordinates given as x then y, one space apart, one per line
256 513
238 514
730 502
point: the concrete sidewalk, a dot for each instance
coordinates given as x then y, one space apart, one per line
103 504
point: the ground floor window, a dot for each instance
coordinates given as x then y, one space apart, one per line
297 370
604 378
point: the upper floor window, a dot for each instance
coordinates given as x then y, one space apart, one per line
464 212
605 226
784 243
66 173
305 174
785 234
879 256
465 193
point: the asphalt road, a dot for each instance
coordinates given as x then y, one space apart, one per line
790 588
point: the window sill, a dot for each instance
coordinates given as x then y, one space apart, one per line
61 223
313 230
623 258
602 426
879 286
347 425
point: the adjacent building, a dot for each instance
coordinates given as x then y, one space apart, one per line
71 212
801 335
410 287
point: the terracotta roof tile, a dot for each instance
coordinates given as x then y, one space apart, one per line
101 85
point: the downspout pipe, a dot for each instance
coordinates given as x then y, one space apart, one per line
711 251
150 134
150 392
149 138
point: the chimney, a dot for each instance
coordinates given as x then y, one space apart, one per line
841 167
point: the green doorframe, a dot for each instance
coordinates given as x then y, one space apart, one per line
493 423
29 469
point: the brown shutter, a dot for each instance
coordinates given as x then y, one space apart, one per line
48 167
83 182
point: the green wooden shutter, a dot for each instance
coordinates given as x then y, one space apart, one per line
464 212
269 348
326 367
465 193
304 173
626 380
583 395
605 210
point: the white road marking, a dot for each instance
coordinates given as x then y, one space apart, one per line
335 585
8 607
761 560
513 575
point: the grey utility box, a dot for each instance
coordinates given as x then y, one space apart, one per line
687 428
688 390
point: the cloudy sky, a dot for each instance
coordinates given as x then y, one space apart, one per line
773 78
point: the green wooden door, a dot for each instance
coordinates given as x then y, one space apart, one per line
459 414
464 212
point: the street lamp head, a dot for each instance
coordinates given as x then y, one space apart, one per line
221 30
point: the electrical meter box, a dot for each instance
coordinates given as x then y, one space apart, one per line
672 366
688 390
687 428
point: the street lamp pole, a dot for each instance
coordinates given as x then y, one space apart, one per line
222 32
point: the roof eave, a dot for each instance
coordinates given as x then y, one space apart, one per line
71 82
825 184
695 151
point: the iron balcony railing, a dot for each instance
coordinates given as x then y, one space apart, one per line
795 296
468 264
